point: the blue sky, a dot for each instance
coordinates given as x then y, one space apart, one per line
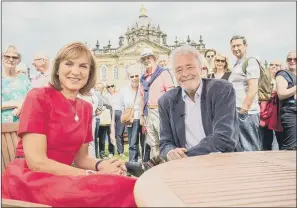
270 27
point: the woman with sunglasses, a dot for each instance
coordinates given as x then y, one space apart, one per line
14 86
221 68
286 91
117 128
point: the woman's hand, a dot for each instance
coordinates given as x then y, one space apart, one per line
16 112
112 135
112 166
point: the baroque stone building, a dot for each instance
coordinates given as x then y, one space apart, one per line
113 62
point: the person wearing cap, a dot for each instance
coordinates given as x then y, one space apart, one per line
155 81
41 63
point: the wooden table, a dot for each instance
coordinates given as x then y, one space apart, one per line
245 179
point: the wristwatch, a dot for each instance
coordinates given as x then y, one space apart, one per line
90 172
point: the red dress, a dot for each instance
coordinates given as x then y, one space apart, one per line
47 111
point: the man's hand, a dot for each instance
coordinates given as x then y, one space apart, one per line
243 111
98 113
177 153
142 121
112 166
112 135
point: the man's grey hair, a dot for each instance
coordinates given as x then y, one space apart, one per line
237 37
186 49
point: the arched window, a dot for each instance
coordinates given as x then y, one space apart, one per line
103 72
116 73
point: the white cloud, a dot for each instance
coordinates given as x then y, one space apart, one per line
269 27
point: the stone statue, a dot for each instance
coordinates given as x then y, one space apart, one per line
164 39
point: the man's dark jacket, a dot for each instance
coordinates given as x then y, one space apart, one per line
219 119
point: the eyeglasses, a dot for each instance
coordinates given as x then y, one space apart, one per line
136 76
277 65
109 86
38 59
11 57
220 60
291 59
210 56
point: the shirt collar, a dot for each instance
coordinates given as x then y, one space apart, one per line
198 92
45 74
241 60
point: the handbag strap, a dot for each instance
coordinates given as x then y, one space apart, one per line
135 98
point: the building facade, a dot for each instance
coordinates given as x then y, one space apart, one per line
113 62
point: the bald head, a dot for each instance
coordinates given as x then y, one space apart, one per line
41 62
163 59
40 56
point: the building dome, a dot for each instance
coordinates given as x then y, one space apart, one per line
143 21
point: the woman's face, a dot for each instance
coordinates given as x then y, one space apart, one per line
220 62
74 73
110 88
274 66
11 59
134 78
291 61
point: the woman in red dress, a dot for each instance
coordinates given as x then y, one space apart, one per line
55 129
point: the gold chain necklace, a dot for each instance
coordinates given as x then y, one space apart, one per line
76 118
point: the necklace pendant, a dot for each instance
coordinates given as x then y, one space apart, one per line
76 118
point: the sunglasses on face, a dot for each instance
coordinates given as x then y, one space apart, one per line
38 59
291 59
136 76
210 56
220 60
277 65
11 57
109 86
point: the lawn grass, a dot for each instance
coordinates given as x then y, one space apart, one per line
126 152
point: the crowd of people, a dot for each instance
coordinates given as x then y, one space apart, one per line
65 116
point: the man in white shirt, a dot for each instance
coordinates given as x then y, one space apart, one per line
196 118
246 88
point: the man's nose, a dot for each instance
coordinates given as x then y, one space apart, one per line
185 73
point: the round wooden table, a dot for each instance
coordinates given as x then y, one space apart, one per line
244 179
